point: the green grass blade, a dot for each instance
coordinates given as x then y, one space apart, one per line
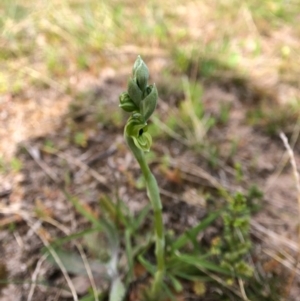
203 264
147 265
130 256
191 234
115 211
173 261
168 292
189 277
60 241
176 283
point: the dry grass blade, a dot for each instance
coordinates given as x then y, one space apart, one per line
285 159
242 289
48 172
288 263
86 168
19 213
294 166
196 171
54 255
34 153
277 240
297 181
34 276
233 289
81 252
28 219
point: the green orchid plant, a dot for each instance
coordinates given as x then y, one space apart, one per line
140 100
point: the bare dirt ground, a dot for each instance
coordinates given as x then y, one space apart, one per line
33 204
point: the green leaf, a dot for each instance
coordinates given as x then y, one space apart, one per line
176 284
60 241
191 234
173 262
203 264
189 277
129 255
147 265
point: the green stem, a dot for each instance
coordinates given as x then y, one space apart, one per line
153 194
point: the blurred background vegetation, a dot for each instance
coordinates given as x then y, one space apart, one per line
251 47
46 43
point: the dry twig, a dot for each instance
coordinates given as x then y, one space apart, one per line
44 240
297 181
35 275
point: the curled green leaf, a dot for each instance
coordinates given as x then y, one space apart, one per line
134 124
136 128
143 141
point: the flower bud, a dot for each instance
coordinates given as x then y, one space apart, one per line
148 104
141 73
134 92
136 64
126 103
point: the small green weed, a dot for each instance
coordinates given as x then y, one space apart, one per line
80 139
